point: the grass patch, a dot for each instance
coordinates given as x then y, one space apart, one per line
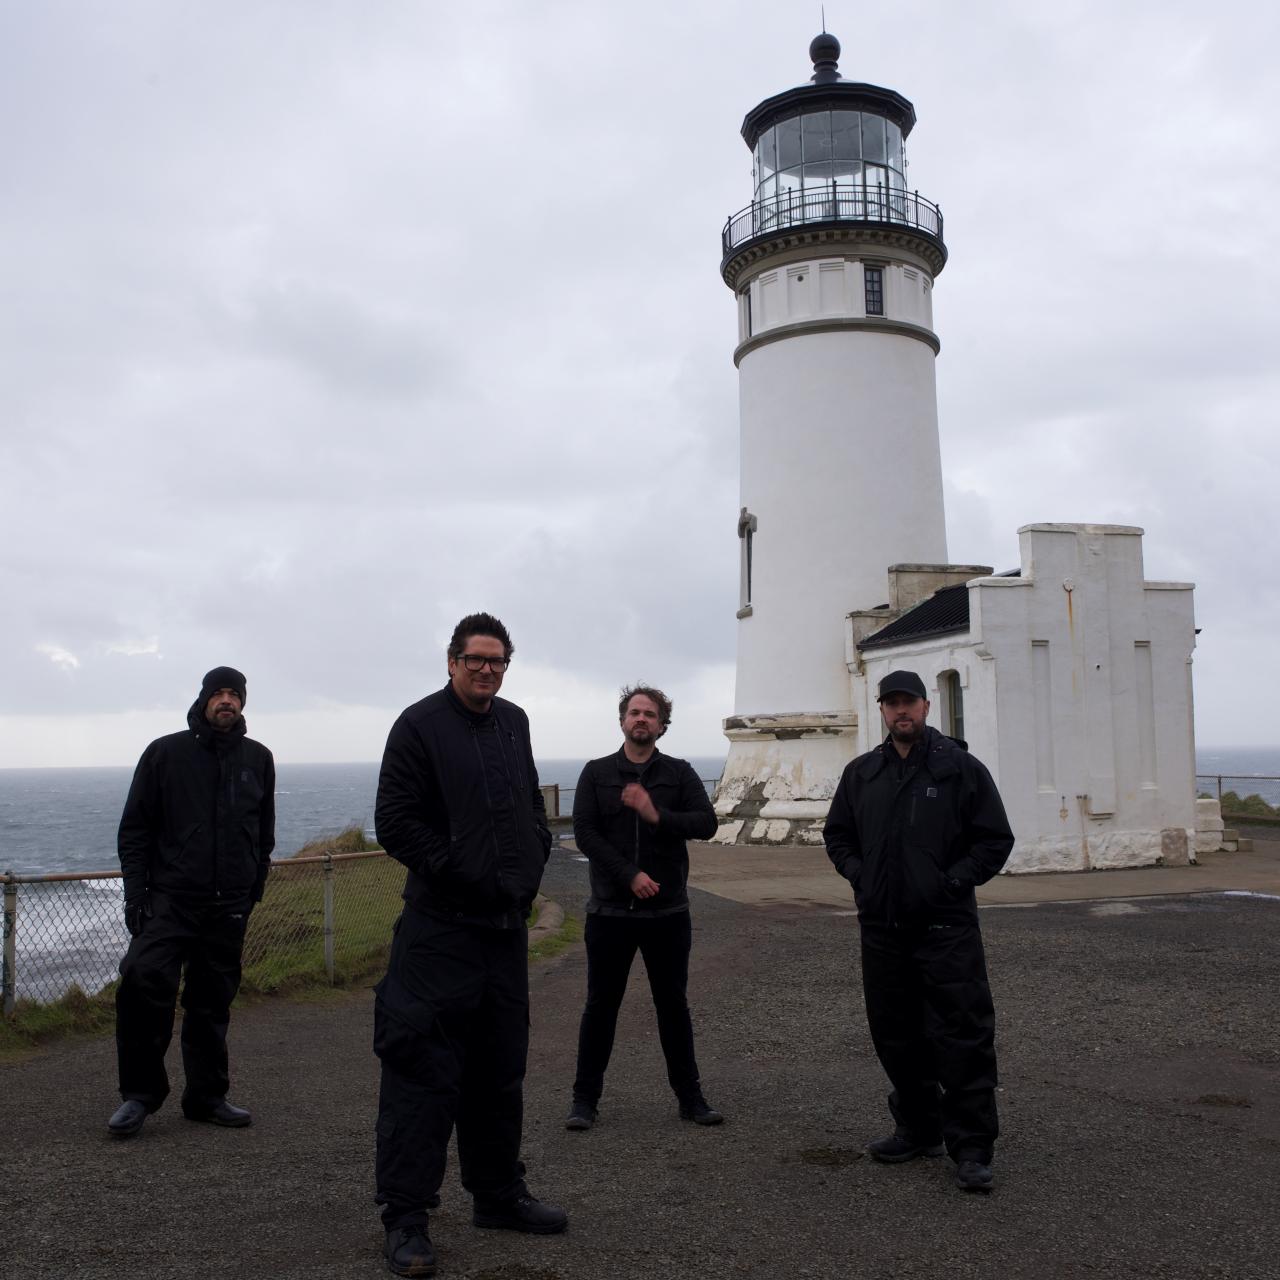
284 951
552 945
33 1024
285 947
350 839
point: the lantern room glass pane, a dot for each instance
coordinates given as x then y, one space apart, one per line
893 145
872 137
846 135
766 166
816 129
788 133
846 172
818 175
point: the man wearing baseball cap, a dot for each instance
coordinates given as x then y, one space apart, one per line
914 826
195 847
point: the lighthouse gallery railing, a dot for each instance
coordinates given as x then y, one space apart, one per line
834 203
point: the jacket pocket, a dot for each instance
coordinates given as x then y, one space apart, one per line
173 852
608 800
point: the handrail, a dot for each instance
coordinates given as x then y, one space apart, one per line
854 202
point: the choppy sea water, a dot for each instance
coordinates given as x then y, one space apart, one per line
66 819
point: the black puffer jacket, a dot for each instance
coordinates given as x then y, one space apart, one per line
200 820
459 805
914 837
619 843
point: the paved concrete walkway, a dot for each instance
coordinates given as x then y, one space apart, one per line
759 876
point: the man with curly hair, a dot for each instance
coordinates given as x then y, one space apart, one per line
632 813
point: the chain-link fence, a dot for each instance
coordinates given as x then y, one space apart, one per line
326 917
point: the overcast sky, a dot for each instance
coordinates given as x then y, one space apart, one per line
327 323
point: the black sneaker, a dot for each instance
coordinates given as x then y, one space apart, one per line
582 1115
409 1253
974 1175
220 1113
524 1213
899 1147
700 1111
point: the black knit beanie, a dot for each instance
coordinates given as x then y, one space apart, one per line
222 678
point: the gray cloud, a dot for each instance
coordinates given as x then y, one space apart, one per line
329 326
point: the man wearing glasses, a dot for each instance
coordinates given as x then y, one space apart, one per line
459 805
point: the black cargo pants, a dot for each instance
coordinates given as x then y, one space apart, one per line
451 1027
932 1023
207 940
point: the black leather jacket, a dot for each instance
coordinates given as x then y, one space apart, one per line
619 843
914 837
459 805
200 819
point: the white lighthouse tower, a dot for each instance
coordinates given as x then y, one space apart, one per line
833 264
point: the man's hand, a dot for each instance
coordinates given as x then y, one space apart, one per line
634 796
136 913
642 886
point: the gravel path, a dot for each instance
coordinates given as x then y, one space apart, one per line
1140 1054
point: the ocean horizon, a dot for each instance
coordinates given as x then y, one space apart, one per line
65 819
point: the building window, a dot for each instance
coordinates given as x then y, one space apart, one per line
873 278
952 703
746 531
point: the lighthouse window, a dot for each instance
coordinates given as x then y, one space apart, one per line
873 278
952 704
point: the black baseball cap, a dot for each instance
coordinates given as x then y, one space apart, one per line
901 682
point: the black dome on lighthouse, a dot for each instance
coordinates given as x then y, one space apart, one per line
824 52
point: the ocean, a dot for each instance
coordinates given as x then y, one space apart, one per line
65 819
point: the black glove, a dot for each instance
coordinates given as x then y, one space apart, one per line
137 911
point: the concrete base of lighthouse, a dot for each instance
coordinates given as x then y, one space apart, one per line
780 776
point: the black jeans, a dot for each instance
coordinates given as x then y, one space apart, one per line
612 942
451 1026
933 1026
207 940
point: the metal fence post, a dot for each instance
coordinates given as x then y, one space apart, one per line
10 977
328 917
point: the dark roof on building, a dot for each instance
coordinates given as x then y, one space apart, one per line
945 611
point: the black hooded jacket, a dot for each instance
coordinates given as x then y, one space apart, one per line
200 819
459 805
915 837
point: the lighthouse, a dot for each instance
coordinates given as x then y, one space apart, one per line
833 265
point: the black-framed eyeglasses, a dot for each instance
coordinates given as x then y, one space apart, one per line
478 662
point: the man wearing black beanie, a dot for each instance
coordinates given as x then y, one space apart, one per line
195 846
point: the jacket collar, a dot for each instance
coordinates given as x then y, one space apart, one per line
937 758
475 717
631 766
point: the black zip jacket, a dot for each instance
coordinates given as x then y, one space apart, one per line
459 805
200 820
915 837
619 843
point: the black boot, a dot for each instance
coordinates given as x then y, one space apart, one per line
409 1253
